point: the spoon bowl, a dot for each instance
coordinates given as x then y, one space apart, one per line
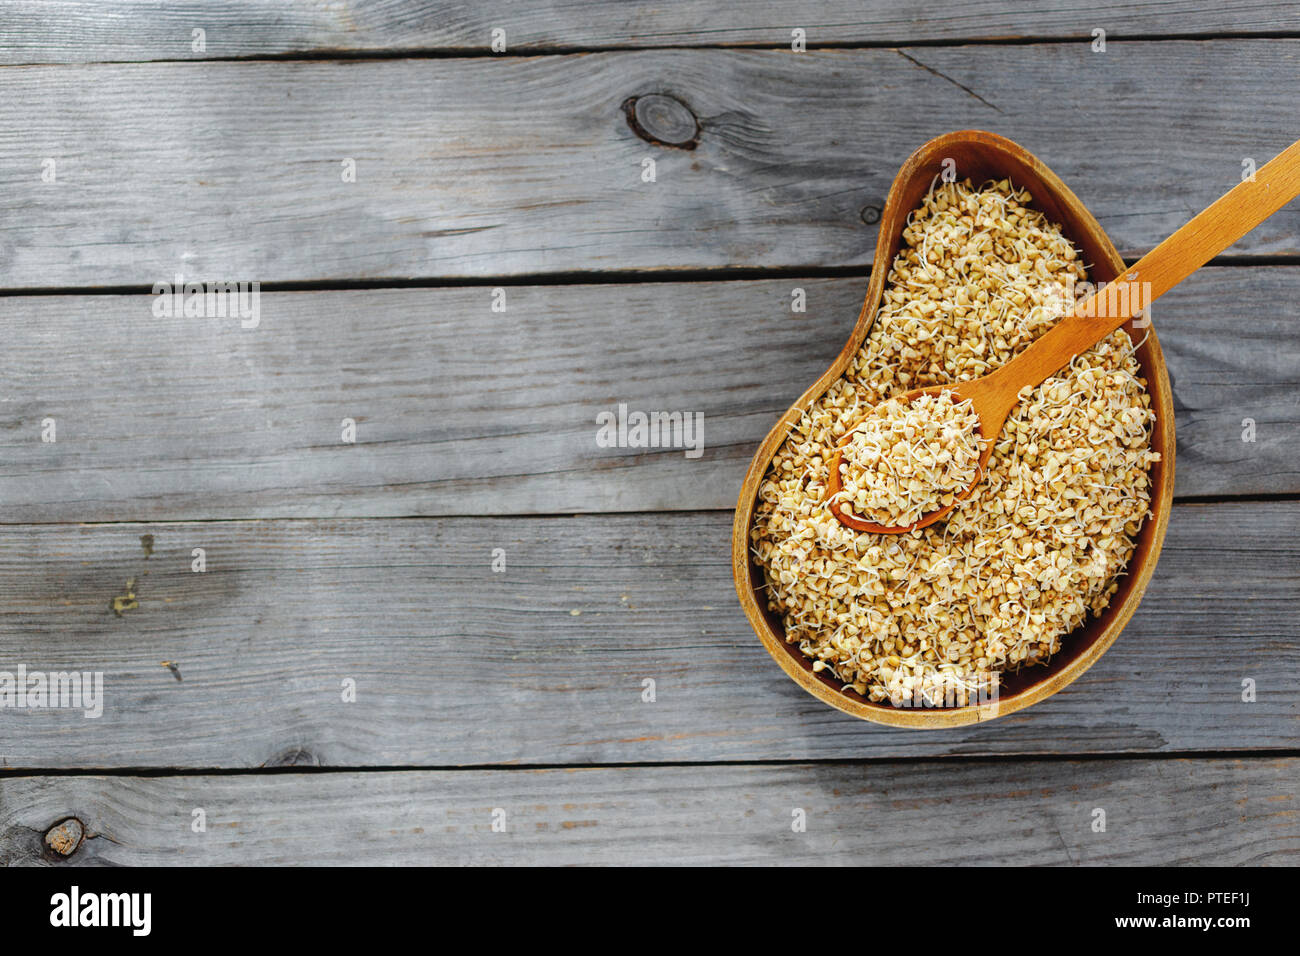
979 156
977 392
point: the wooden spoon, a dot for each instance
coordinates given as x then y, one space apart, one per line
993 396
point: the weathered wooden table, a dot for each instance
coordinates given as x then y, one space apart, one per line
433 643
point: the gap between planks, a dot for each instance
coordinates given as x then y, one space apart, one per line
1079 758
531 52
609 277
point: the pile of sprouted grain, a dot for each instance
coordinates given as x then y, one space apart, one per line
905 460
933 616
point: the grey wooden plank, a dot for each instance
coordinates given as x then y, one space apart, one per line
78 31
545 661
462 410
1184 812
510 166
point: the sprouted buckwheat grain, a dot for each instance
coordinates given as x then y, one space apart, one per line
932 615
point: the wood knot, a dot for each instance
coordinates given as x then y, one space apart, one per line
64 837
662 120
871 215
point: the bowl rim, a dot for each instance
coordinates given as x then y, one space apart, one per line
1100 631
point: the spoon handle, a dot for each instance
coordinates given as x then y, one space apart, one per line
1212 230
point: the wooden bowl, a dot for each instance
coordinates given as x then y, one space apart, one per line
979 156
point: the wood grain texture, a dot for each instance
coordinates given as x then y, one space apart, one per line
195 418
498 169
512 166
1157 812
78 31
545 662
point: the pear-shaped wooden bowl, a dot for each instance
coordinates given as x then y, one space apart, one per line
979 157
